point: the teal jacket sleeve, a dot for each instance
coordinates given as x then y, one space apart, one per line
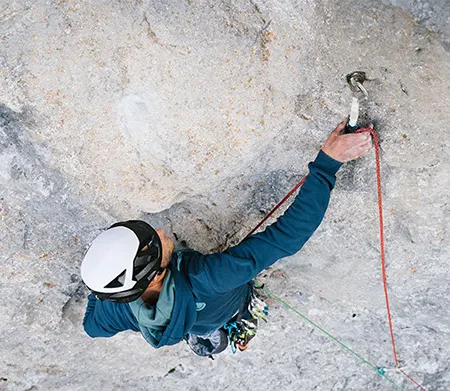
240 264
105 319
91 322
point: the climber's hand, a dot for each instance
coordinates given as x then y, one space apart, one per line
346 147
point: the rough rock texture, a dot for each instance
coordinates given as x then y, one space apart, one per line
199 116
435 15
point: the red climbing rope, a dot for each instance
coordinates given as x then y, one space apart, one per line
380 213
276 207
383 259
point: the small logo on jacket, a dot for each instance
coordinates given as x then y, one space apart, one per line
200 306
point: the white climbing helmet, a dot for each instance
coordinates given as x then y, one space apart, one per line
115 268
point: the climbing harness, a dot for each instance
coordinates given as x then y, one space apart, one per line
240 330
355 80
237 332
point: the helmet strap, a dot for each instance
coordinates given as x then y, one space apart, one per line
160 271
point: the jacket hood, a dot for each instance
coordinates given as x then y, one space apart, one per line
153 319
157 324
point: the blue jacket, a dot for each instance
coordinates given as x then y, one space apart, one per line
210 289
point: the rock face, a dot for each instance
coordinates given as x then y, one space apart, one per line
198 116
435 15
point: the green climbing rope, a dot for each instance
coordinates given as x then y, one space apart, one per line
379 370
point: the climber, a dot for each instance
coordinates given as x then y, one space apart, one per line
140 283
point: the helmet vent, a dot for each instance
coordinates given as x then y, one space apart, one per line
118 281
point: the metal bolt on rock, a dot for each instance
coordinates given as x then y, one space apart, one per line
355 81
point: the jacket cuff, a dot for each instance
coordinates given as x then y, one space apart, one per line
327 163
